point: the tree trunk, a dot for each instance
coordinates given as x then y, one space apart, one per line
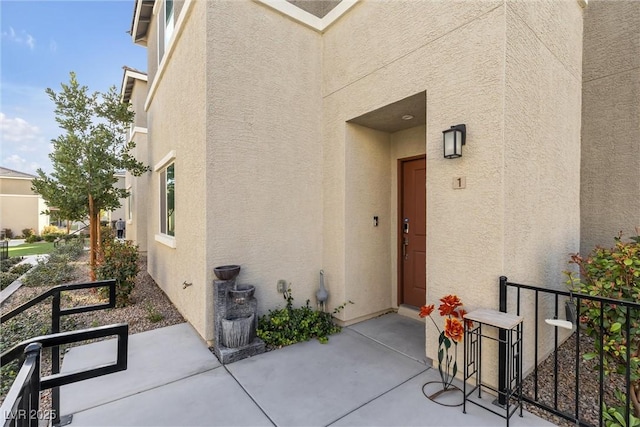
93 239
68 227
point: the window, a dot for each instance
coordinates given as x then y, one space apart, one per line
167 200
130 205
165 28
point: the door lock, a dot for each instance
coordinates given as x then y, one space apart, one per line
405 226
405 243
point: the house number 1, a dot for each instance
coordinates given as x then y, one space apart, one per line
459 182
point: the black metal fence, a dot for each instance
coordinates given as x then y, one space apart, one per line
21 407
567 404
4 250
56 313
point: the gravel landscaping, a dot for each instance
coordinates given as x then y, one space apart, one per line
589 384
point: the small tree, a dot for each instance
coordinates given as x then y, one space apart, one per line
613 273
87 156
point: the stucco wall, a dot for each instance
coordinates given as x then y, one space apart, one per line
15 186
176 121
463 83
264 153
520 176
138 98
367 193
139 186
541 152
610 123
19 212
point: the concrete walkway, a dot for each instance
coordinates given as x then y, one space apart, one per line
371 374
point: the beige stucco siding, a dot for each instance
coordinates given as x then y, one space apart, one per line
541 152
15 186
139 186
264 152
138 98
19 212
463 83
177 123
610 193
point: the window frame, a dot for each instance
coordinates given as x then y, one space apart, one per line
166 221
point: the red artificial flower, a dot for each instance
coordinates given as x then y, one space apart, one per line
449 305
463 313
426 310
453 329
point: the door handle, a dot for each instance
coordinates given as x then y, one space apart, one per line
405 243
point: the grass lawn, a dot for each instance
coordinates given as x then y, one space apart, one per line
36 248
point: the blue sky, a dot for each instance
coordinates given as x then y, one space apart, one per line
42 41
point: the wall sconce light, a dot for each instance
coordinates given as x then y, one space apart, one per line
453 139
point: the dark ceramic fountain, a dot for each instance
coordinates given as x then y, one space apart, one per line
235 317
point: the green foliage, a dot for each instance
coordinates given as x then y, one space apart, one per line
11 271
86 158
57 269
289 325
7 278
33 238
153 314
52 273
119 261
73 248
615 417
26 232
7 264
20 269
613 273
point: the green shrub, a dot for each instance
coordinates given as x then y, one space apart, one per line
6 264
50 273
26 232
8 234
7 278
289 325
73 249
153 314
33 238
119 261
20 269
51 237
613 273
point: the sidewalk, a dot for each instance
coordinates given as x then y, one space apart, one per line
370 374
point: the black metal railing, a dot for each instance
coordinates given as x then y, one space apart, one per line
4 250
21 406
533 297
56 313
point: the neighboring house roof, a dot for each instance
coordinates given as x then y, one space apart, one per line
10 173
128 81
142 11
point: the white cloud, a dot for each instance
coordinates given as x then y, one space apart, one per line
18 130
20 164
20 138
20 38
53 46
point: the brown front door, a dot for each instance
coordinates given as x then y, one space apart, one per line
412 263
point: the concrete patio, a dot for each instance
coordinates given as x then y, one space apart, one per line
370 374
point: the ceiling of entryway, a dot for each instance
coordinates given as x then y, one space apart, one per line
318 8
390 117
